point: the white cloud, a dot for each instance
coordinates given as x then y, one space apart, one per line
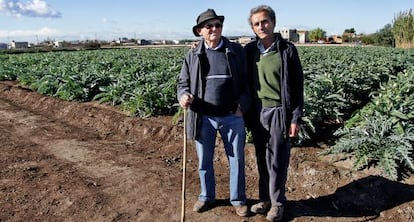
108 21
31 8
29 33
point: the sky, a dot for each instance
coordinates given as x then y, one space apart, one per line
66 20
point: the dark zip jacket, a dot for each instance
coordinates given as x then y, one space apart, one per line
192 80
291 81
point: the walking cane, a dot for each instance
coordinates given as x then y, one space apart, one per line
184 167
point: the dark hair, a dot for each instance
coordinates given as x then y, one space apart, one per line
263 8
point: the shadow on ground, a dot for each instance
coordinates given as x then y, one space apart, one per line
366 197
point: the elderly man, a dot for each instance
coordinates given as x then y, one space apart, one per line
213 87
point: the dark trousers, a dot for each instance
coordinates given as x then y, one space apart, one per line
273 154
259 135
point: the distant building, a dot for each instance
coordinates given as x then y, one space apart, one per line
3 46
19 45
245 39
289 34
240 39
57 44
169 42
334 39
233 38
293 35
303 36
143 42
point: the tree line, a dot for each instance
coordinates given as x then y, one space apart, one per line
399 34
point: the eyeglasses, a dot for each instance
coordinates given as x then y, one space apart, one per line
217 25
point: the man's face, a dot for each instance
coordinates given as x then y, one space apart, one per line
211 30
262 25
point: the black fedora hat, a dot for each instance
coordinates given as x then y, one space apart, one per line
205 16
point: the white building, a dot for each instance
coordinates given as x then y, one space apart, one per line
289 34
293 35
19 45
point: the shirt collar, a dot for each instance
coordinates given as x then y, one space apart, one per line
262 48
218 46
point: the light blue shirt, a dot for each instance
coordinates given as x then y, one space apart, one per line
262 49
218 46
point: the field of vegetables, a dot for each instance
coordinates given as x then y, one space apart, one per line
339 81
359 101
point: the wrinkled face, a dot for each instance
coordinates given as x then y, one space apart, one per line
262 25
211 30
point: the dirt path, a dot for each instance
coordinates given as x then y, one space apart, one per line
64 161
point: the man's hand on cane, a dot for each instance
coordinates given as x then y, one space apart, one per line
186 100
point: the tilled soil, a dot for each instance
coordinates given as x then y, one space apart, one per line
68 161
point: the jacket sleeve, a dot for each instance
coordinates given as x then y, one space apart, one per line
245 98
296 85
183 86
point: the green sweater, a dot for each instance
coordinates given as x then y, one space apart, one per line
269 67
